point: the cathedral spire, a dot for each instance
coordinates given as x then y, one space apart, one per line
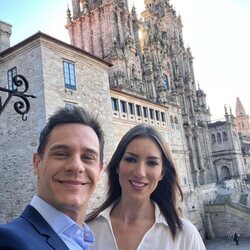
239 110
225 107
242 119
68 15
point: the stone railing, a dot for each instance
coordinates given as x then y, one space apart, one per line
239 206
225 199
233 204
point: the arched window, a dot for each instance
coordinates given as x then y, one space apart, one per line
213 139
218 137
175 120
133 72
224 136
171 119
165 82
225 173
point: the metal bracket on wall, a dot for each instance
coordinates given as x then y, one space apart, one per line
22 106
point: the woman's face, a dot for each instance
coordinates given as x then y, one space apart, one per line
140 169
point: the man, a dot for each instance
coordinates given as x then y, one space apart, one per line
236 238
68 163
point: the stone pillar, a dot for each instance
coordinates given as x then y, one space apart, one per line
76 8
119 24
192 157
5 33
183 100
209 230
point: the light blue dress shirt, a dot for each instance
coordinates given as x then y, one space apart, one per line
74 236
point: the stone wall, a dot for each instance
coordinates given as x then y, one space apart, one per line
18 137
40 60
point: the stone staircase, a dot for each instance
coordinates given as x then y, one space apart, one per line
228 212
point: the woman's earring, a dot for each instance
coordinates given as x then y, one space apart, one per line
117 170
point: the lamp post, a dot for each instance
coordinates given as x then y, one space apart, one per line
22 106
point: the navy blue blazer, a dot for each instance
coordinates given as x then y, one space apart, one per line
29 232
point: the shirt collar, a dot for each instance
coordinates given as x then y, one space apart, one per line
61 223
159 217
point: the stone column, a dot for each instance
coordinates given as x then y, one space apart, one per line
209 230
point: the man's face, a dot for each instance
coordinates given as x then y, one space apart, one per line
70 168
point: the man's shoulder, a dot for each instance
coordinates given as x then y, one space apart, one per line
29 231
29 223
13 235
23 221
11 240
13 225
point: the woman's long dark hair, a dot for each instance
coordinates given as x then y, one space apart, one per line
165 194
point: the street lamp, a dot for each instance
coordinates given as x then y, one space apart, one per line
22 106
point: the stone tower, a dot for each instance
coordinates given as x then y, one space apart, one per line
242 119
170 72
156 67
108 30
226 149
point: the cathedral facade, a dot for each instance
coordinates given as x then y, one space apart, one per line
128 71
158 68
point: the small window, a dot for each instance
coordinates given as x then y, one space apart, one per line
69 104
185 180
157 116
176 120
131 108
213 139
151 112
163 117
224 136
165 82
145 112
218 137
114 103
138 110
171 119
123 106
69 75
10 74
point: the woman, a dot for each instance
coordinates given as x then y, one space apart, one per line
140 210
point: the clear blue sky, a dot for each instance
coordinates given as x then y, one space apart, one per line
29 16
216 30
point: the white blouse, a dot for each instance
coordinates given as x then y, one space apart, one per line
158 237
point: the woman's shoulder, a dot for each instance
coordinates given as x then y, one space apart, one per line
189 236
188 226
102 216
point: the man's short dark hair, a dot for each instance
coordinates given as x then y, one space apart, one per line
65 115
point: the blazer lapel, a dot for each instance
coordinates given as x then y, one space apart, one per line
32 216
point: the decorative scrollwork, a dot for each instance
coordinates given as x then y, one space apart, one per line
22 106
20 82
